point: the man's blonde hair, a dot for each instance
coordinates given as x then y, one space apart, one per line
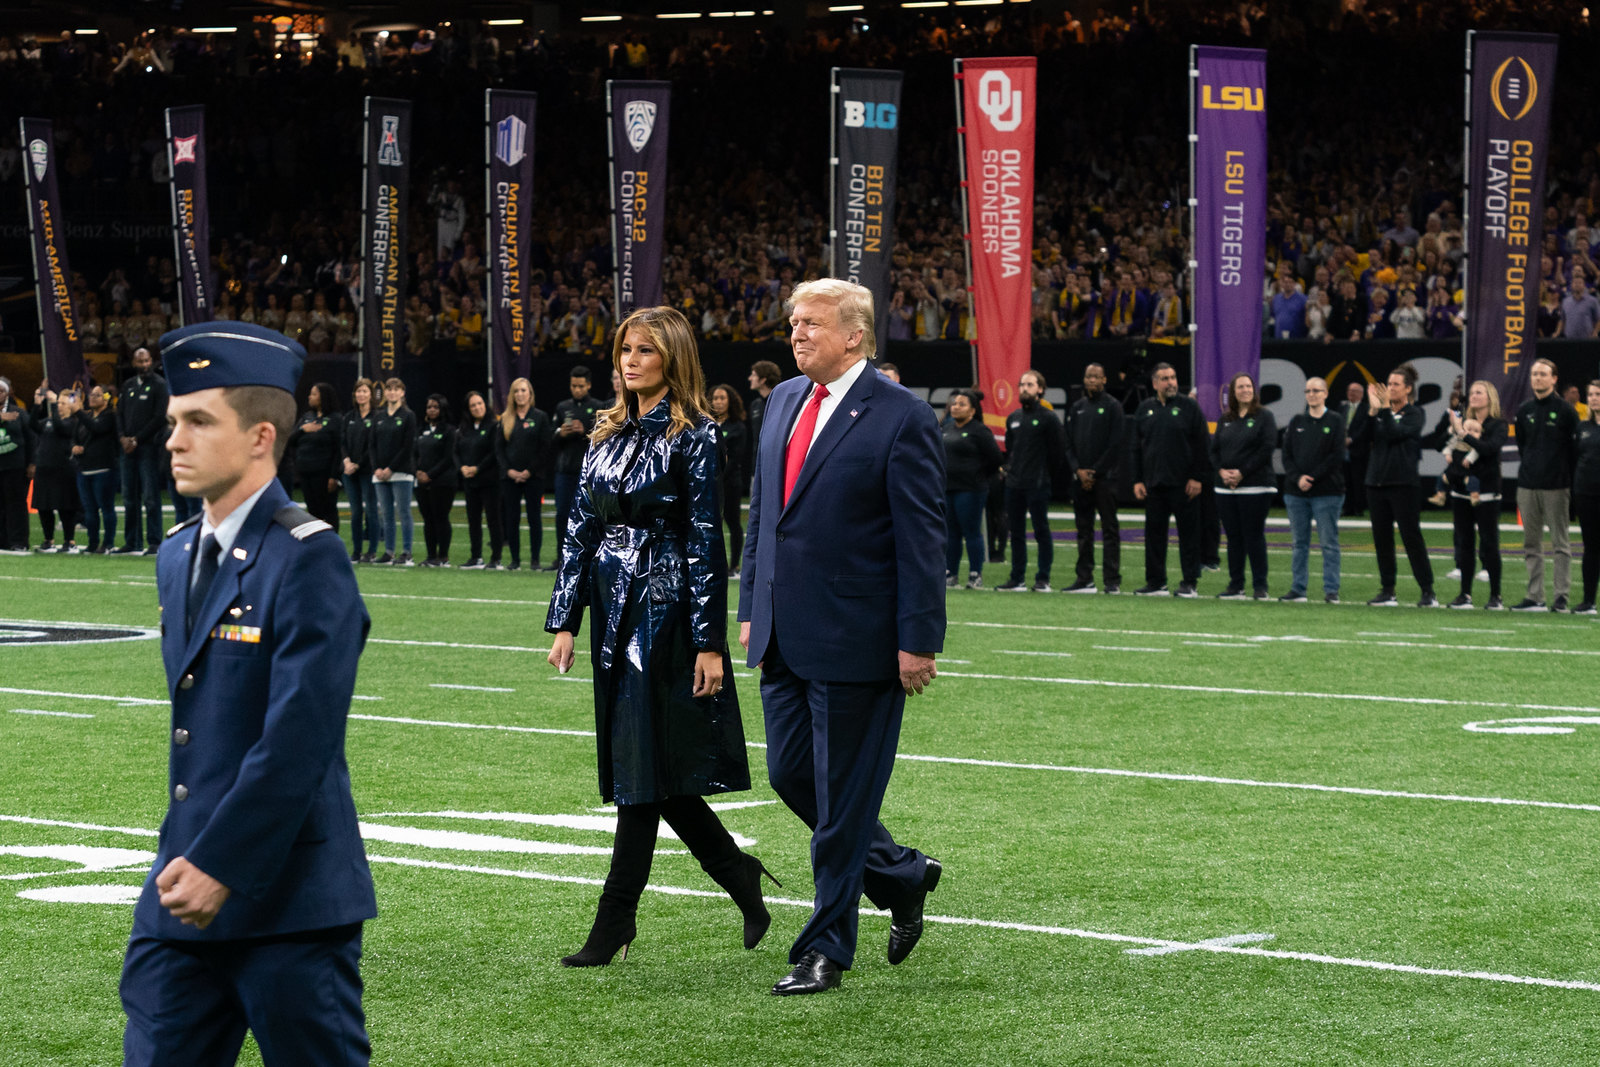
854 303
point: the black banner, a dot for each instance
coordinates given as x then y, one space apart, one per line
191 219
637 119
58 319
386 197
866 141
509 162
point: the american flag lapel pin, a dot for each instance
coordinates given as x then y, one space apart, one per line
854 413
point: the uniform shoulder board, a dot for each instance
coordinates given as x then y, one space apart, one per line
300 523
190 521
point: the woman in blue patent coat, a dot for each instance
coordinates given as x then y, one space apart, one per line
644 550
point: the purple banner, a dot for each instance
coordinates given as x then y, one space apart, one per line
637 117
191 219
386 200
509 161
1229 164
58 319
1512 77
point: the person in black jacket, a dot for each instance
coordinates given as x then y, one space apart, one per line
1547 429
1393 430
1354 411
970 455
437 478
359 488
521 448
1477 522
1586 499
727 411
480 476
1313 490
1096 427
764 378
16 456
316 445
1168 460
1241 452
392 452
54 490
142 432
574 422
1035 446
94 452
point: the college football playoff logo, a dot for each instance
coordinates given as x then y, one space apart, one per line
639 119
1513 90
39 152
389 146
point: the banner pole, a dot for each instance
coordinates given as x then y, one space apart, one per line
38 279
966 218
366 236
833 172
488 208
1466 199
616 234
1194 203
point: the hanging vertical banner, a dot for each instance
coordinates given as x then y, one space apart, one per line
191 221
386 198
58 319
1511 77
637 118
509 194
866 142
995 122
1228 164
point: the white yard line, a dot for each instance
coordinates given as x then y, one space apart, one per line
472 725
78 696
473 688
59 714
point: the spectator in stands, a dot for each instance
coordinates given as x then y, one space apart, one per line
1035 449
1313 490
1167 460
1241 454
1288 308
1586 498
1476 522
1580 311
1096 440
1350 316
316 444
1546 435
970 456
1393 430
1408 321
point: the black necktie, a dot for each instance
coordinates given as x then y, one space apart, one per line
205 571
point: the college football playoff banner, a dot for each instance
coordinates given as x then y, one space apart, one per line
58 319
191 221
637 116
866 140
509 152
385 198
1511 77
1228 162
995 122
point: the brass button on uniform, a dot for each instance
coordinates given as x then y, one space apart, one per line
187 682
180 736
180 792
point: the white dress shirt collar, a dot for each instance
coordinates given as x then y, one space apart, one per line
227 531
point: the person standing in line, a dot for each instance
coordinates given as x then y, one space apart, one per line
764 378
1035 446
1586 498
1096 430
16 463
94 450
54 491
315 445
436 478
1393 431
480 477
1313 490
393 458
970 455
521 450
574 421
1241 452
1354 410
1168 459
1477 522
1547 429
142 429
727 411
359 488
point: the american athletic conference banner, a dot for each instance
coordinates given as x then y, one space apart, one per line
866 142
58 319
191 220
385 198
509 159
1229 167
996 125
637 117
1512 76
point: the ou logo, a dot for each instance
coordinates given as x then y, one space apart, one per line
999 100
866 114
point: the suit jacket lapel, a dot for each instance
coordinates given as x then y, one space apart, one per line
851 407
231 568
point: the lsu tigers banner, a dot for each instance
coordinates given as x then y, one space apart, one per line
866 142
385 200
191 220
1228 162
59 331
1511 79
995 123
637 116
509 165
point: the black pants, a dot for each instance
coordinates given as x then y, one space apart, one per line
320 500
435 502
14 507
483 501
1022 507
734 517
1399 505
1244 517
1355 492
1161 505
1210 526
1587 506
995 518
1087 503
513 497
696 825
47 524
1477 530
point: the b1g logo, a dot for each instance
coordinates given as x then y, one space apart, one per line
1514 90
864 114
1000 100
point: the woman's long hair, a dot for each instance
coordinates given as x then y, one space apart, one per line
669 332
328 398
1494 398
1234 410
508 417
735 401
394 383
466 409
444 409
374 395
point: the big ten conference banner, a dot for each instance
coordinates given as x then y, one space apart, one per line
996 127
637 116
509 151
386 198
866 141
191 221
58 319
1511 78
1229 213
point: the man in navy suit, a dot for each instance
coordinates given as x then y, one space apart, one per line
841 604
252 915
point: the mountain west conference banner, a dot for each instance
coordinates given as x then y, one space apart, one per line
191 221
996 126
1512 77
58 319
509 159
1229 165
866 141
385 200
637 116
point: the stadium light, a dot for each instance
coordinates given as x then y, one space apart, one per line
977 3
204 29
848 7
601 18
507 22
926 3
678 15
85 33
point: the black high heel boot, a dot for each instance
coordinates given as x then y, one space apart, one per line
744 886
631 856
738 873
613 928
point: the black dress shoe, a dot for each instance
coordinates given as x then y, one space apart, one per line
905 926
815 973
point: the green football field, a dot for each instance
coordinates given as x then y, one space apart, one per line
1174 832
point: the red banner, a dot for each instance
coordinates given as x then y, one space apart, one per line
996 127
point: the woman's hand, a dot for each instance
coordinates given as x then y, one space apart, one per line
707 674
422 478
561 652
1376 400
350 466
382 473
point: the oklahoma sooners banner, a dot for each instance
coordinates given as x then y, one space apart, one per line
509 163
1229 162
385 199
996 124
58 319
1512 77
191 221
637 116
866 142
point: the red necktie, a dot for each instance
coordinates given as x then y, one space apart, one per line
800 441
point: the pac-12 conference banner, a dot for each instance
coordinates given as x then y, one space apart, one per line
1229 163
509 151
385 199
191 220
58 319
866 142
637 115
1512 78
996 125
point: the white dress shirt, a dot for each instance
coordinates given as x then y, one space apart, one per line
830 403
227 531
